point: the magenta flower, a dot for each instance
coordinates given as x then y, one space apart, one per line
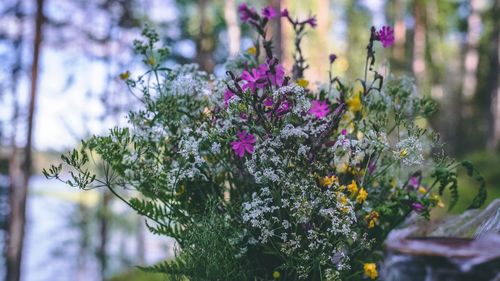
253 80
284 13
244 143
311 21
319 108
277 78
386 36
268 102
283 108
344 132
227 97
414 182
417 207
245 12
269 12
333 58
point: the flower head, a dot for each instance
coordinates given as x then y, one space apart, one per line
284 13
276 275
253 80
362 195
245 12
333 58
386 36
352 187
269 12
278 76
227 97
327 181
370 270
354 103
417 207
244 143
319 108
372 219
311 21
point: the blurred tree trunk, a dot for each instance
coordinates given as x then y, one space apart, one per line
494 124
276 27
233 28
205 40
19 188
399 34
471 58
419 42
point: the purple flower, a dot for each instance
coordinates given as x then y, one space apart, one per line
269 12
244 143
284 13
386 36
319 108
414 182
283 108
268 102
279 75
417 207
344 132
333 58
227 97
253 80
245 12
311 21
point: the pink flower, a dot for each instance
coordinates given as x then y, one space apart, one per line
269 12
244 143
253 80
311 21
227 97
284 13
386 36
319 108
245 12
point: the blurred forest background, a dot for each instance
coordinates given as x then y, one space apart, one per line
59 82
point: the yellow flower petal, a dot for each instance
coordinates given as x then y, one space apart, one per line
370 270
252 51
302 82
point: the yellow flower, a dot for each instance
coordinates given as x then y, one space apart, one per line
403 153
342 167
276 275
343 201
362 196
370 270
125 75
354 103
302 82
438 200
252 51
422 190
372 219
352 187
328 180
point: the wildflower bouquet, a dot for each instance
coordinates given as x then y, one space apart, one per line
259 176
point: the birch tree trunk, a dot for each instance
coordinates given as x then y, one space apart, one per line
19 188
